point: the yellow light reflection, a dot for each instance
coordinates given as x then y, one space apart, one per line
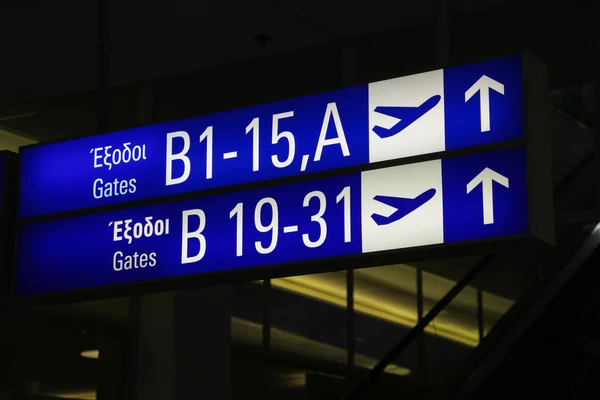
389 293
91 395
12 142
90 354
250 332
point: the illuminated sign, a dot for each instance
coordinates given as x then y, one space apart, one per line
426 113
434 202
414 164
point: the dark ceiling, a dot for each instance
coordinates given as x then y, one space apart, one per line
198 57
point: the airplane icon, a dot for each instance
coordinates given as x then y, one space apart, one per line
403 206
406 115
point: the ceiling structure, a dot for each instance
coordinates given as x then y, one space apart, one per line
52 46
206 56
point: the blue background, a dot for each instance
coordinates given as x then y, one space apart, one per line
62 174
59 177
463 119
77 252
463 212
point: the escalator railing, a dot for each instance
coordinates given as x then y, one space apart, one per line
554 269
517 321
363 385
554 272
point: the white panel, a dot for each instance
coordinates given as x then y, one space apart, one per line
422 226
424 135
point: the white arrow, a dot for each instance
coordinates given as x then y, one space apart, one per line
483 86
486 179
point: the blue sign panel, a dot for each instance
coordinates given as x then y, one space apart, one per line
413 115
488 196
484 103
432 202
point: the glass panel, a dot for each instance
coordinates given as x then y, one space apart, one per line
309 315
247 313
503 282
450 338
386 309
458 321
494 308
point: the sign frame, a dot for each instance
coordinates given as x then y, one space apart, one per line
540 212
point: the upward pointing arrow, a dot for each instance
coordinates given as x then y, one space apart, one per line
483 86
486 178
